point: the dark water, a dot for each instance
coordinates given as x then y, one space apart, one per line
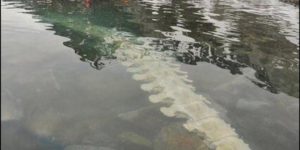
242 55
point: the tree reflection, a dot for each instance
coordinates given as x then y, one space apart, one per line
229 40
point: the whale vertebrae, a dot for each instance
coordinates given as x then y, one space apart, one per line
168 84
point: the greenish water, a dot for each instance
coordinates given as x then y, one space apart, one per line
241 55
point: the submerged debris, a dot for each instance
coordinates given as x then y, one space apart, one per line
134 138
175 137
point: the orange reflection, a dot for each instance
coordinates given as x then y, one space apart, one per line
88 3
125 2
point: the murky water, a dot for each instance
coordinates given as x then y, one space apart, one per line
242 56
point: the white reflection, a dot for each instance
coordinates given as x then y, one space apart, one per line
285 15
156 4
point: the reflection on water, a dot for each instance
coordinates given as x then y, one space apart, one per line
16 137
52 101
262 35
235 35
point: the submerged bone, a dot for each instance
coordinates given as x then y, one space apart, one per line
171 85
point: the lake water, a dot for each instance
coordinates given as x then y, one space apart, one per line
64 88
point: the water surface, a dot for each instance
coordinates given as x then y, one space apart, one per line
62 85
